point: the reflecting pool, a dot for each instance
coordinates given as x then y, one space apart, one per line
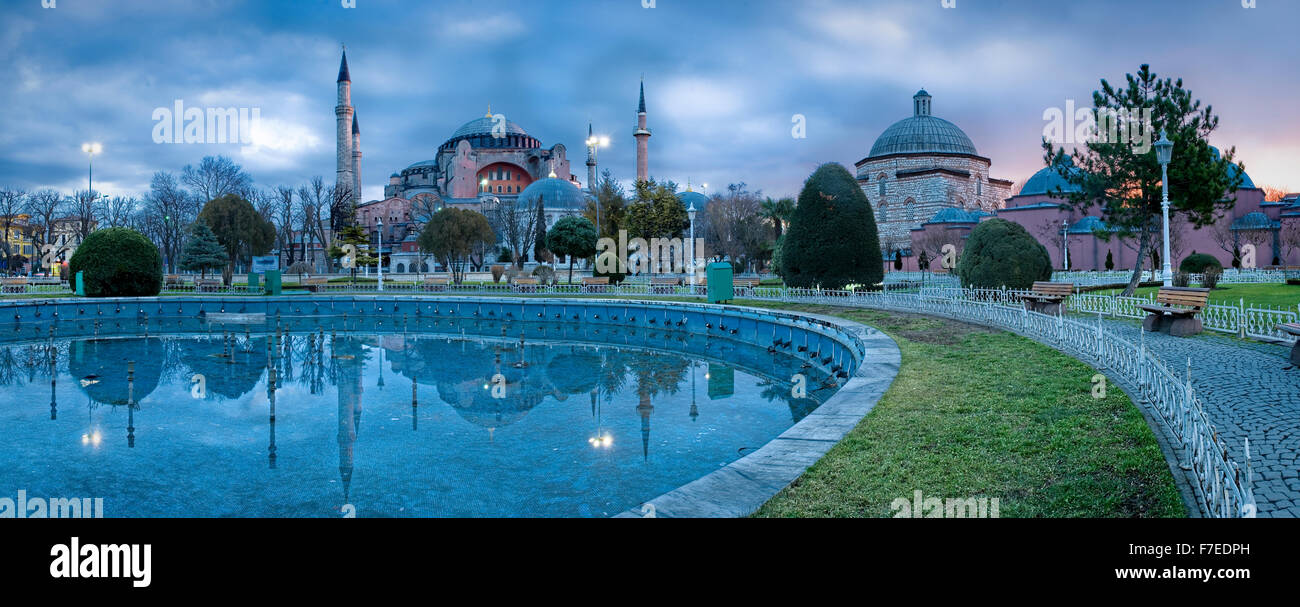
328 417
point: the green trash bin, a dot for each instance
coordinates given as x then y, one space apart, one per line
81 284
719 275
272 282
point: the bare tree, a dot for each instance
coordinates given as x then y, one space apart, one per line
285 214
168 212
1289 238
12 204
45 206
737 227
117 212
517 225
216 176
81 210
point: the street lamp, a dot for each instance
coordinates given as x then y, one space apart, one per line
91 149
381 253
593 143
691 245
1165 153
1065 244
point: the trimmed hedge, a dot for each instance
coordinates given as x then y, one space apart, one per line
832 241
1000 253
1197 262
118 262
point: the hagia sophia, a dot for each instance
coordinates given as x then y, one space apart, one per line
929 186
487 161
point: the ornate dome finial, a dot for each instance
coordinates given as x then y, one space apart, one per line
489 114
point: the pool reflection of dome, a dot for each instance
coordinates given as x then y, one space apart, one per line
100 365
225 378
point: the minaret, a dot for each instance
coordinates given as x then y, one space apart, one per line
591 160
343 143
356 160
642 135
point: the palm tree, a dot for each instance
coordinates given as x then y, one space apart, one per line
778 212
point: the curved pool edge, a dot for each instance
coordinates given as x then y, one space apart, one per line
741 487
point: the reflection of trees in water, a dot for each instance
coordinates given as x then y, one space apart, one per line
799 407
659 373
21 363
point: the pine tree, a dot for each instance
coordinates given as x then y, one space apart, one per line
203 251
1110 260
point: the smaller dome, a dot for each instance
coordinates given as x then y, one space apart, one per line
555 193
394 175
1048 180
1255 221
689 198
1089 225
954 215
1246 182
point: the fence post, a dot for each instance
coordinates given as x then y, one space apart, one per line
1241 318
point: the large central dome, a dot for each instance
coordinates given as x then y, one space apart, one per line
479 133
484 126
922 134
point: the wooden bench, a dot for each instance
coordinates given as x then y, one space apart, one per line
524 285
1048 297
1293 330
664 284
173 281
436 283
16 284
314 284
744 286
207 285
1175 311
595 284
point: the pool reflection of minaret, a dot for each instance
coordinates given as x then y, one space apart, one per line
349 404
644 409
130 403
270 396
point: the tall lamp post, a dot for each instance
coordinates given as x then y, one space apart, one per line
91 149
1165 153
690 213
381 253
595 142
1065 244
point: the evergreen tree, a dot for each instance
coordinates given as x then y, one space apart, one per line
1123 177
203 251
1110 260
657 212
832 240
572 237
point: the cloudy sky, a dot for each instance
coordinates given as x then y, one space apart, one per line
724 79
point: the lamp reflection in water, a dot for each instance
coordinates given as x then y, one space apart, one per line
602 439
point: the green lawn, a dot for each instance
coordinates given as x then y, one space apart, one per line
1030 434
1275 295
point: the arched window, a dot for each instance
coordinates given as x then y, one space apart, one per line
401 268
882 213
909 209
881 187
424 267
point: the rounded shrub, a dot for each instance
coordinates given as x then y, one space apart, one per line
118 262
1001 253
1196 263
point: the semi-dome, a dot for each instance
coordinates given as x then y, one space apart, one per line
691 197
423 164
922 133
555 193
1048 180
